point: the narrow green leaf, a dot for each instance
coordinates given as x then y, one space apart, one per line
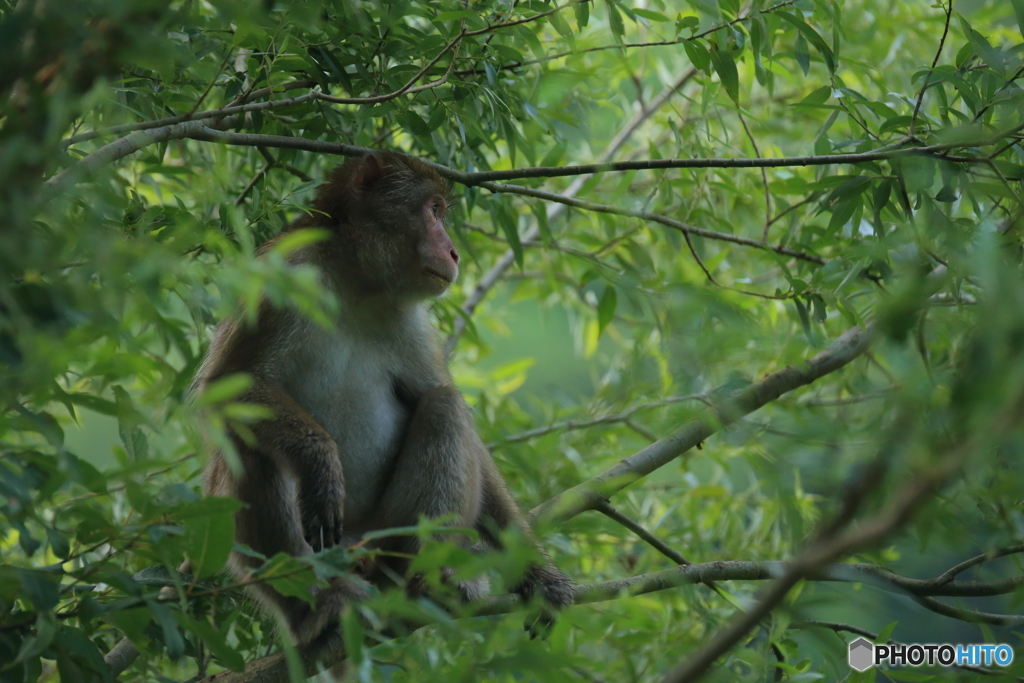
615 21
225 389
561 25
582 11
172 636
298 239
509 224
208 542
213 640
990 55
649 14
726 69
1018 9
812 37
606 307
803 56
886 633
698 54
134 441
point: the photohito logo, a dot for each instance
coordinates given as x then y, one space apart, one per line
863 654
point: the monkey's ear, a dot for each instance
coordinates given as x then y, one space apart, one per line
369 172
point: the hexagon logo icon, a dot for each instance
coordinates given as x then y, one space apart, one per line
861 655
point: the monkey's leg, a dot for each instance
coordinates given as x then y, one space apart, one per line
499 511
269 523
299 446
436 473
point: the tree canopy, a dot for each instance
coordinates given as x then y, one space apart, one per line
741 319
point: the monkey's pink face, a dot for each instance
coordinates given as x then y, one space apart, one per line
439 259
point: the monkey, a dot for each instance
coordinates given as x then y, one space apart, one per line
368 430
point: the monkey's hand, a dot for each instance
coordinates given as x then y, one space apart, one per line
321 506
554 588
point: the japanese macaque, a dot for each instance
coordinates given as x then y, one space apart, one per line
368 430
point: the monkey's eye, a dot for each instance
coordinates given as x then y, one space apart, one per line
435 208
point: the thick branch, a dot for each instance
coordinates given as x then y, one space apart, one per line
587 495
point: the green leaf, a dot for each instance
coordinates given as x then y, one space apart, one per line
214 640
615 21
225 389
817 96
698 54
58 543
886 633
726 69
509 224
172 636
582 11
990 55
208 542
688 22
414 123
946 194
561 25
289 576
134 441
606 307
649 14
1018 10
297 239
812 37
130 622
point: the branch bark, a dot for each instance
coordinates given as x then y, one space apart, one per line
587 495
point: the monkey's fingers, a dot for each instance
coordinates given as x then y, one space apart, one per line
322 530
540 623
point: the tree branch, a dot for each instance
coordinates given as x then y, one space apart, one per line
653 217
492 276
569 425
272 669
210 113
587 495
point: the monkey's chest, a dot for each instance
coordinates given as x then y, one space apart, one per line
348 388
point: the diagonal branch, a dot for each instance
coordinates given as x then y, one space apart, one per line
587 495
408 88
948 9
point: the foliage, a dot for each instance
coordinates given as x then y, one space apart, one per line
147 149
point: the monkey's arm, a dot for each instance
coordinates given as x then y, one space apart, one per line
300 447
499 509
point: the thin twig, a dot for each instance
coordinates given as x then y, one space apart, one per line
408 88
948 9
569 425
653 217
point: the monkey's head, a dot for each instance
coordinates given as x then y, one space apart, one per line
387 211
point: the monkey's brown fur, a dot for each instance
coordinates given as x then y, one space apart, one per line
370 403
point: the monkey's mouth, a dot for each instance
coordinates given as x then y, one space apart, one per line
439 275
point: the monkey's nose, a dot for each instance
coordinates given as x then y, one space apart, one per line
455 255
